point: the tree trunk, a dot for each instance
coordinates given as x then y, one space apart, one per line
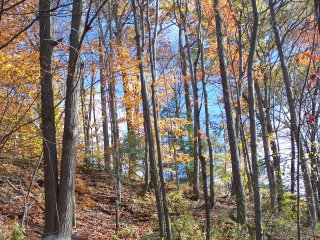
146 162
131 133
201 158
240 79
245 154
66 201
275 156
103 90
233 141
314 172
253 130
115 136
206 196
293 115
146 116
293 158
186 90
313 154
90 134
96 127
85 122
153 56
48 120
266 147
206 107
196 183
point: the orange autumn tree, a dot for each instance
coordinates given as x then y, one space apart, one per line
19 71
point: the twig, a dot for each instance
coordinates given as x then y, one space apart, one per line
25 212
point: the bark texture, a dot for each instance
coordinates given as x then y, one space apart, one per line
233 141
48 120
66 201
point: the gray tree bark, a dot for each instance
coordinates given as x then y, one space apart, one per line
153 62
186 85
233 141
293 115
202 159
192 69
266 148
292 165
274 149
206 107
70 134
115 136
48 120
105 127
146 116
253 130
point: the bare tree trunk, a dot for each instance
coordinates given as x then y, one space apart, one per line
293 158
240 79
96 127
103 89
85 122
206 107
314 172
146 115
115 136
313 152
238 121
245 154
66 199
196 182
275 155
206 195
146 162
202 159
90 117
186 89
293 115
233 141
153 56
266 147
253 130
48 120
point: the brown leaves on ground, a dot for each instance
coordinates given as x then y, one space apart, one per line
95 206
95 203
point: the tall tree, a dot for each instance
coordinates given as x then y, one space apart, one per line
183 9
206 103
66 201
201 158
266 147
233 141
293 115
146 116
103 90
253 130
66 197
186 81
273 140
153 63
48 119
115 137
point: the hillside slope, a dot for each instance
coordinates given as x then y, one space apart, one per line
95 209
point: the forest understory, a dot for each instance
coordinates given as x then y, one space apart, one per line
95 209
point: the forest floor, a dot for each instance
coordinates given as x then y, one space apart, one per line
21 185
